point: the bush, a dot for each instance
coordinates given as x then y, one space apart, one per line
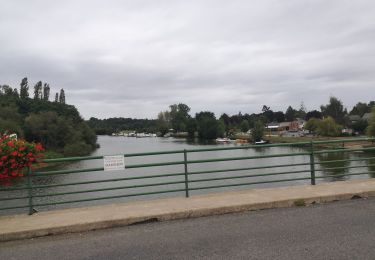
15 155
258 131
371 127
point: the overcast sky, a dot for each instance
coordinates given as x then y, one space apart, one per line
135 58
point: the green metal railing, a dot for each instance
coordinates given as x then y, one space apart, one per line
32 195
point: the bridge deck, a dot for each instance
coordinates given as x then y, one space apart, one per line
99 217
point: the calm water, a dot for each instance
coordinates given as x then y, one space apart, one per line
123 145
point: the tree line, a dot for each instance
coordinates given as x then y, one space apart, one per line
117 124
329 121
57 125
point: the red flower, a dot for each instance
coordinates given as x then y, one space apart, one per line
4 158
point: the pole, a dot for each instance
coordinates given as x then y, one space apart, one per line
186 175
312 163
29 190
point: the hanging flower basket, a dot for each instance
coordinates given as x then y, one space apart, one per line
16 155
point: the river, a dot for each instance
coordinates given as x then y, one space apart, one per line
124 145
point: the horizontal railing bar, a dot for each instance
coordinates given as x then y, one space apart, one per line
345 140
107 189
14 189
246 158
247 183
71 159
247 176
109 197
153 164
344 150
249 168
342 175
107 180
16 207
14 198
49 173
244 147
344 167
154 153
346 160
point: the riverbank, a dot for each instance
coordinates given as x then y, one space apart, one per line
354 144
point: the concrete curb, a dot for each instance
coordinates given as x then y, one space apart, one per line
116 215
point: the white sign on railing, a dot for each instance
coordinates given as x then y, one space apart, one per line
114 163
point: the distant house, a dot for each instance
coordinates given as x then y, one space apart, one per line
366 116
286 128
354 118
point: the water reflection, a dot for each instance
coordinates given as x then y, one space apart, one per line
371 164
334 165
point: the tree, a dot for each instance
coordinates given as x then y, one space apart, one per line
360 126
265 108
46 92
328 127
290 114
163 122
221 128
62 96
191 127
24 89
244 126
38 90
313 114
269 115
371 127
312 124
57 97
258 131
334 109
179 116
207 125
279 116
360 109
301 113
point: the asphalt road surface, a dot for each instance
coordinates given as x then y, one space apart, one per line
338 230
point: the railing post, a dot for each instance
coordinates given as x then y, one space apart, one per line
186 175
29 190
312 163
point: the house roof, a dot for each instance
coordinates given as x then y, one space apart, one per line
354 117
366 116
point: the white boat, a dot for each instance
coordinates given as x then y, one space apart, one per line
223 140
261 142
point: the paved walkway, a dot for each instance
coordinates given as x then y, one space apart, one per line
99 217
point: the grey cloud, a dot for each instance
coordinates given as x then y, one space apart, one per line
135 58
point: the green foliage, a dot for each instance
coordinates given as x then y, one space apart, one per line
58 126
244 126
328 127
38 90
24 89
313 124
221 128
163 122
362 108
116 124
371 127
290 114
334 109
258 131
207 125
62 96
191 127
360 126
179 116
